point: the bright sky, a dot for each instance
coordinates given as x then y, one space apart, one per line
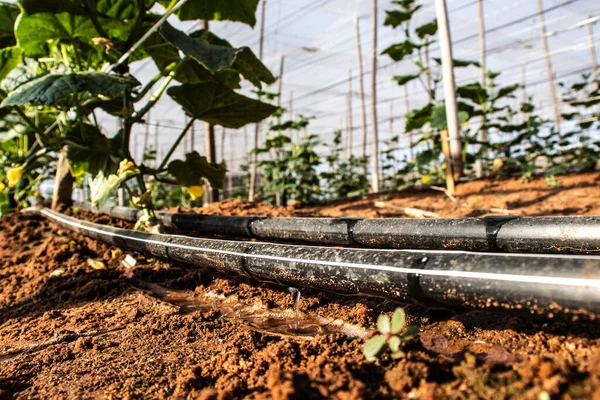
318 41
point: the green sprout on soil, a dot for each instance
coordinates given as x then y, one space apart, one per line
389 333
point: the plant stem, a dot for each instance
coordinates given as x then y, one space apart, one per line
148 86
179 139
156 96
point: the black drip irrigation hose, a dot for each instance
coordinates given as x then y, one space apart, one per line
568 235
536 284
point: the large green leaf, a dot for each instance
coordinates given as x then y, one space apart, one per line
48 89
474 92
399 51
506 91
439 121
229 10
217 104
417 118
395 18
37 32
428 29
90 151
8 16
218 56
10 57
194 169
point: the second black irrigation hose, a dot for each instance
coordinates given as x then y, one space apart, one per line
569 235
538 284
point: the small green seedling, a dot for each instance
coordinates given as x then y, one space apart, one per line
389 333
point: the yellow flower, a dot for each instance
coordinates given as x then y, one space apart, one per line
317 189
127 166
2 186
465 124
13 175
195 191
425 179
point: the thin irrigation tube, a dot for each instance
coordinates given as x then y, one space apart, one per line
546 285
568 235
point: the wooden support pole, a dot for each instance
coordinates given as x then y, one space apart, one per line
553 95
482 135
450 185
592 46
361 88
253 166
375 135
449 88
407 104
280 81
349 122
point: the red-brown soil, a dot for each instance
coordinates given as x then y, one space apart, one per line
166 330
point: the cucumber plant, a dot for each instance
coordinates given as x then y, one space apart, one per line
290 170
344 177
390 335
65 63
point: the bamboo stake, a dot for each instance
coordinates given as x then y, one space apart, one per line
375 135
591 44
551 82
449 87
280 81
361 89
407 103
450 184
349 122
482 135
253 166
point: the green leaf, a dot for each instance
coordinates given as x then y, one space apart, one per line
228 10
459 63
194 169
398 319
439 121
426 157
373 347
395 18
506 91
398 355
474 92
49 89
217 104
10 57
428 29
36 32
8 16
91 151
383 323
399 51
410 333
404 79
394 344
216 54
417 118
